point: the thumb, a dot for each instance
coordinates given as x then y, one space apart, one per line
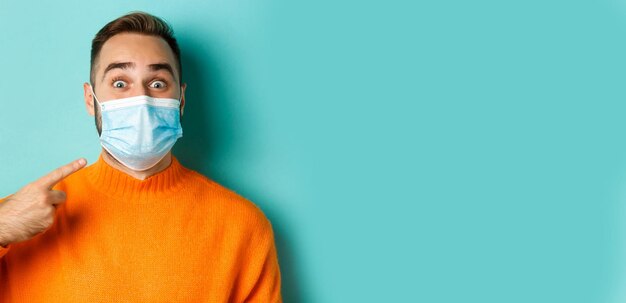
57 197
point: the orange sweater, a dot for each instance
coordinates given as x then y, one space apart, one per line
174 237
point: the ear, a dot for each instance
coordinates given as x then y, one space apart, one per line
183 88
88 98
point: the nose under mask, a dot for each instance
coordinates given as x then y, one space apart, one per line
139 131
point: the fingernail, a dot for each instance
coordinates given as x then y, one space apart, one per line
82 161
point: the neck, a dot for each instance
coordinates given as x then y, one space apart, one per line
140 175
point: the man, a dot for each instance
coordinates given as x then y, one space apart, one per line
136 226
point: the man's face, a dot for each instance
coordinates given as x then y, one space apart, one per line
130 65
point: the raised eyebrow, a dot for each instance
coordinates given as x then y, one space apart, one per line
114 65
162 66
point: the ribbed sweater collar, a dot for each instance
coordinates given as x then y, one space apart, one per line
113 182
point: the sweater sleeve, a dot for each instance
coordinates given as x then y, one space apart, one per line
266 278
4 250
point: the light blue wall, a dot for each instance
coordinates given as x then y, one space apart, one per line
405 151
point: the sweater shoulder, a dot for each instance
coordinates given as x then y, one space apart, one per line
234 204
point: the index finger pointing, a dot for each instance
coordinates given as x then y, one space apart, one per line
51 179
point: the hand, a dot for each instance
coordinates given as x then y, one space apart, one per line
31 210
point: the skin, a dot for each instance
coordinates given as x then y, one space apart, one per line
31 210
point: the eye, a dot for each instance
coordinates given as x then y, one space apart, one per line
119 84
158 84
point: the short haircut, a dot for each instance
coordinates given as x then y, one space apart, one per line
134 22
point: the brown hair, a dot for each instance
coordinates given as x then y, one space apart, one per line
134 22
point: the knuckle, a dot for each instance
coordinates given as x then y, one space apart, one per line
42 205
46 196
49 221
43 202
45 221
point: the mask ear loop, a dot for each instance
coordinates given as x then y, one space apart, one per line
180 99
93 93
95 97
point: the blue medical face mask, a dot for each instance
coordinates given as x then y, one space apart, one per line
139 131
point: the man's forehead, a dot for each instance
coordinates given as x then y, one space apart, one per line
141 50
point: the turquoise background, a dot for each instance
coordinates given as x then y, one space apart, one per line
405 151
